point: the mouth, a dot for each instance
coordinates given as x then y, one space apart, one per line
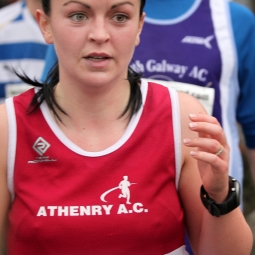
97 57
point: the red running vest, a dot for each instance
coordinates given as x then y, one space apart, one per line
122 200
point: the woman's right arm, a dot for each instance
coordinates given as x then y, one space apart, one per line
4 193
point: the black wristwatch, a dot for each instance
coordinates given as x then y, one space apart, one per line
232 200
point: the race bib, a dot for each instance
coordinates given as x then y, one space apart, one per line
15 89
204 95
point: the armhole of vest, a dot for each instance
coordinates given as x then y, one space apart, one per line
176 133
12 138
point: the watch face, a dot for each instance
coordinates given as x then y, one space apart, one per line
237 191
233 199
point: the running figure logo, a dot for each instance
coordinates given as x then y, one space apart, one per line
124 186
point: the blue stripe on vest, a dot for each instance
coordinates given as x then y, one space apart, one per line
27 50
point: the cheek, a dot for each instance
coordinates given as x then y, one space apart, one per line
60 34
66 40
127 41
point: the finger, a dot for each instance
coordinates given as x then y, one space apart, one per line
206 129
205 144
215 161
202 117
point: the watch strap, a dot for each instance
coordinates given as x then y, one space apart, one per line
232 201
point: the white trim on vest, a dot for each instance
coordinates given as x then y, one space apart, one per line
179 251
228 81
179 19
72 146
177 134
12 141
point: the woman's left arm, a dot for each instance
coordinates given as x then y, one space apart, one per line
203 137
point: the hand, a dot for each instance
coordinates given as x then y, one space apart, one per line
213 168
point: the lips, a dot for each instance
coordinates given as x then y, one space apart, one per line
97 57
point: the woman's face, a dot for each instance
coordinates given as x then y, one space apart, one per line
94 40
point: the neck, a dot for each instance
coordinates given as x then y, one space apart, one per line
93 122
93 105
167 9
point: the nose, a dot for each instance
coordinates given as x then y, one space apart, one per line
99 31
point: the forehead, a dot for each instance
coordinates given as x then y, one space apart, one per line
95 4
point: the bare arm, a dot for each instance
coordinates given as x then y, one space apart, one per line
4 193
228 234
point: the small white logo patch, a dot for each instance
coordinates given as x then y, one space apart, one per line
199 40
41 146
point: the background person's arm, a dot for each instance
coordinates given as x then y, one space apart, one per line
250 153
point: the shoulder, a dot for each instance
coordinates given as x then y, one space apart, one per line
189 104
239 10
3 122
243 25
10 12
4 192
241 16
3 135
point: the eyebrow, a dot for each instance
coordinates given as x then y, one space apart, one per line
88 6
122 3
78 2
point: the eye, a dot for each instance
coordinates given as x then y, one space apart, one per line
120 18
78 17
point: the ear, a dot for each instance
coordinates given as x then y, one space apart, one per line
140 27
44 24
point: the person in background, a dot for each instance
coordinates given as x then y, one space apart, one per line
68 144
209 43
22 46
